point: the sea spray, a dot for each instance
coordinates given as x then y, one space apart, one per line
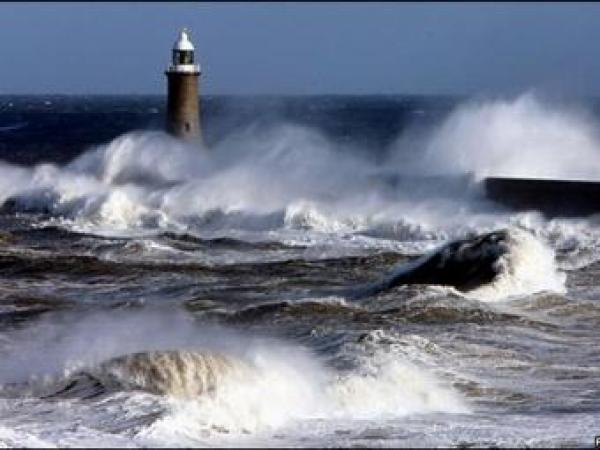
78 308
490 266
273 181
215 380
288 386
528 267
524 136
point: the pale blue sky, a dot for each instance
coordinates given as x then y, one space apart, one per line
304 48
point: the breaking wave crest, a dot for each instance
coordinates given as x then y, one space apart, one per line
281 391
489 266
292 180
182 373
528 267
233 383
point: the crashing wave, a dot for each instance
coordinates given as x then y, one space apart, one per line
490 266
177 373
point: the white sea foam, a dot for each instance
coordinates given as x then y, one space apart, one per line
290 177
290 183
289 386
293 184
272 384
528 267
11 438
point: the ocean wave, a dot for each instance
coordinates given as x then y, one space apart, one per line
288 181
490 266
177 373
528 267
212 381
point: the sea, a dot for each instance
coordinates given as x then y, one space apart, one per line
164 293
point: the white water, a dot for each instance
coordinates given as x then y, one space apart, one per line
291 184
271 385
528 267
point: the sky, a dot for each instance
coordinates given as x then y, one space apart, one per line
303 48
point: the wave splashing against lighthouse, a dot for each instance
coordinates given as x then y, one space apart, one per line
291 179
150 179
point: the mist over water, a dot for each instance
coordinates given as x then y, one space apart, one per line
289 175
161 294
525 136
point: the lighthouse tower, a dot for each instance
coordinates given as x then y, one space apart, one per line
183 118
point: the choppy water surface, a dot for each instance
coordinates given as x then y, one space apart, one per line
158 294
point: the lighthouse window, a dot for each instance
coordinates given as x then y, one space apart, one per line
183 56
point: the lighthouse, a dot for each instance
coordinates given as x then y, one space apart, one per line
183 115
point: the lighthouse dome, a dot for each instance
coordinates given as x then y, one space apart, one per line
182 56
183 43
